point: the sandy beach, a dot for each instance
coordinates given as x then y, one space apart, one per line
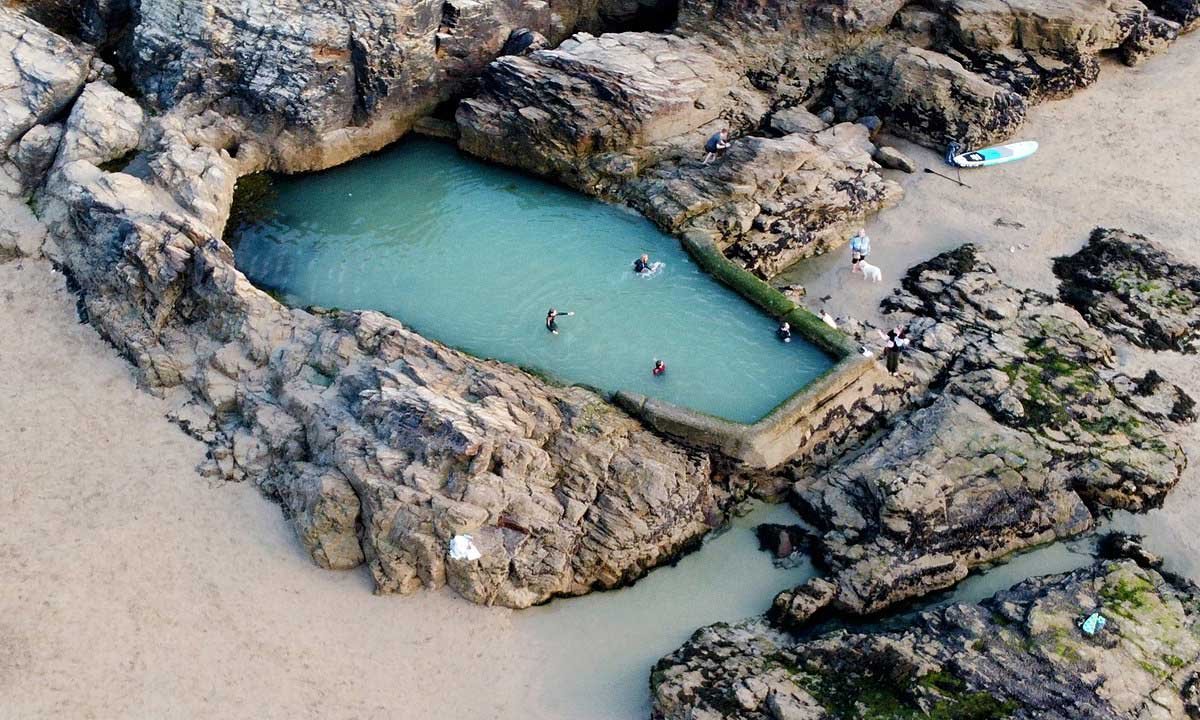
134 588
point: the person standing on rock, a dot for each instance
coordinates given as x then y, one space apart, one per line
551 317
716 145
891 352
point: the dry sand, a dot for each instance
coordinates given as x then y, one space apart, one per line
132 588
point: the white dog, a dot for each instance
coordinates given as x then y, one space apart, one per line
869 271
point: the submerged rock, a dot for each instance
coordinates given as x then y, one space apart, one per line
1127 285
1017 655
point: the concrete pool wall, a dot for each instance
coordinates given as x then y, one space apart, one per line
817 412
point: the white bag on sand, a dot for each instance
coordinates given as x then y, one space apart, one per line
461 548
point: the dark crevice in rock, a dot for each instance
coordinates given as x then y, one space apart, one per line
638 15
73 287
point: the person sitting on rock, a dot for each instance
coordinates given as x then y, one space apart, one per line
551 317
784 332
660 367
716 145
642 264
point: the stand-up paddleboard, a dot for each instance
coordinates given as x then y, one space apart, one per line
995 155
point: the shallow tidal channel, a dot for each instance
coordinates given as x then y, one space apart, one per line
599 649
474 255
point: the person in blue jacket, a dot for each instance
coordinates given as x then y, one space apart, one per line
716 145
860 247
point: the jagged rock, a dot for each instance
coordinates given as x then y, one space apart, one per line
1149 39
40 74
924 96
1036 365
772 201
1019 654
1129 286
890 157
796 119
942 490
551 112
781 540
1118 546
1184 12
325 513
35 151
792 609
327 82
523 41
1022 430
104 125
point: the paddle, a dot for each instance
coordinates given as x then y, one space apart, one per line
935 172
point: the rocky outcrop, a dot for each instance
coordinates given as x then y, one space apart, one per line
942 490
43 73
1023 431
380 445
1020 655
325 83
623 116
1184 12
104 125
1129 286
925 96
40 75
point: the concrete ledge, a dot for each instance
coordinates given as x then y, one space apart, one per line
787 429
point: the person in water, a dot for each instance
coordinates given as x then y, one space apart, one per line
642 264
784 332
716 145
660 367
552 316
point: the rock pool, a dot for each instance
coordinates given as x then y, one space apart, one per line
474 256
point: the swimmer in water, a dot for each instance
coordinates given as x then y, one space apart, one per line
784 332
660 367
553 315
642 264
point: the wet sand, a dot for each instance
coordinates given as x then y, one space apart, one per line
133 588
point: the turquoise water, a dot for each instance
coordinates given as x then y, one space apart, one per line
474 256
